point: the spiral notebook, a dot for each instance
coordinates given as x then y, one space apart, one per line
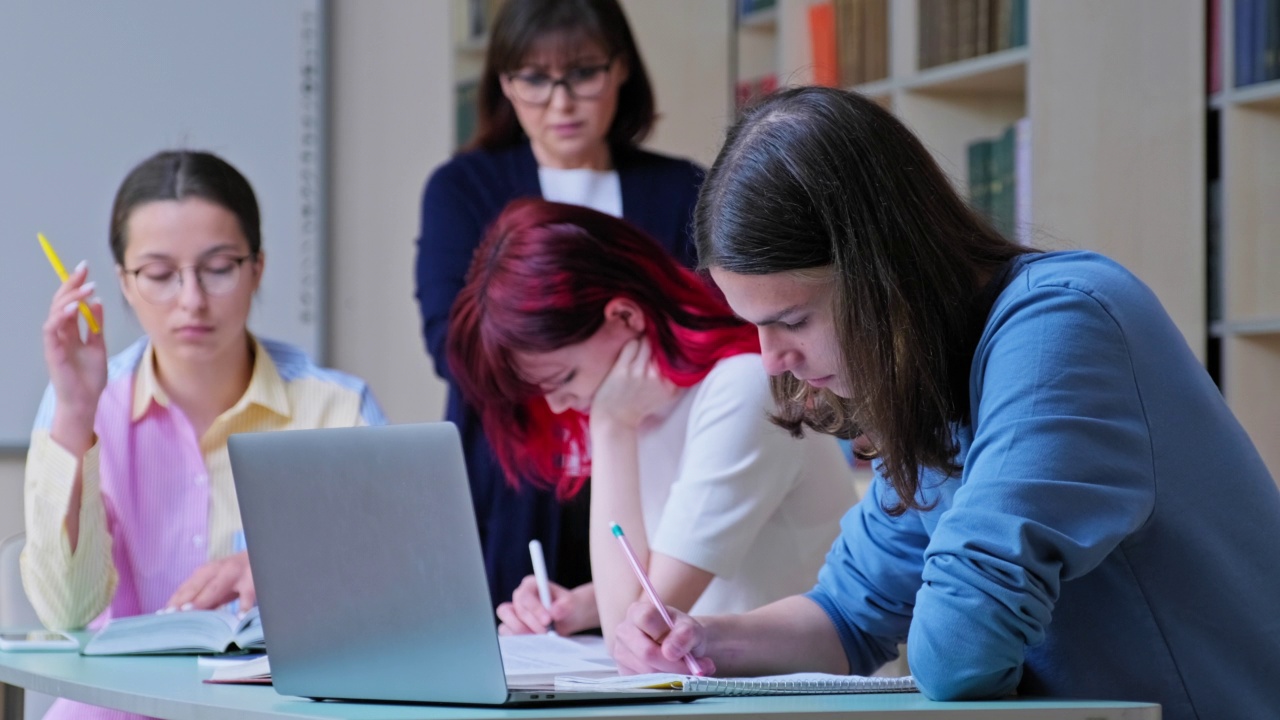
794 684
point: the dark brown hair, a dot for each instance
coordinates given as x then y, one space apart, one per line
520 25
818 178
181 174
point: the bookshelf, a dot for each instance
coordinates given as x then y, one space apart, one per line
1114 92
755 44
1115 97
471 21
1248 147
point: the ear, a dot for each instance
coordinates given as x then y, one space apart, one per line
624 71
258 265
124 285
505 83
626 312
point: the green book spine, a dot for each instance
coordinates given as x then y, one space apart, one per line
979 152
1003 200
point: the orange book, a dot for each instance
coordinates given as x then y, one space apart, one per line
822 37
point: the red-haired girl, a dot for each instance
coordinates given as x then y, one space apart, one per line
590 353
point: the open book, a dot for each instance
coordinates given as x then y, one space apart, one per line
795 684
529 661
252 669
189 632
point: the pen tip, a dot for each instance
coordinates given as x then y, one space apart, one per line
616 529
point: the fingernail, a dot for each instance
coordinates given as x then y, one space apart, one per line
186 606
88 287
70 308
83 264
165 610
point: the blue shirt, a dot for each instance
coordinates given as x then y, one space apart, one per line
1112 533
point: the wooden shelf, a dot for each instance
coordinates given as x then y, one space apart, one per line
1251 383
1263 96
1249 270
1251 213
1248 328
1000 73
880 90
763 20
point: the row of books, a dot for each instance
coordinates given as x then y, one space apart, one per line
1000 179
750 9
1257 41
952 30
850 41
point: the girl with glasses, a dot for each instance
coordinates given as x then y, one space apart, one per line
130 506
588 352
1063 506
564 102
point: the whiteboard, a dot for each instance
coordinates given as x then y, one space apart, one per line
89 89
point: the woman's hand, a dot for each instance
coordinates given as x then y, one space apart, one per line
633 389
643 643
571 610
77 366
217 583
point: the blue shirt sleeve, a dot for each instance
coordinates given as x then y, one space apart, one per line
1059 472
868 585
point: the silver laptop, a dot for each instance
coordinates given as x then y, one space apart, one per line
368 568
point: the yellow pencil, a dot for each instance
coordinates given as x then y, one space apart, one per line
62 275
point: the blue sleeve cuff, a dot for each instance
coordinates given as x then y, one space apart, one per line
844 629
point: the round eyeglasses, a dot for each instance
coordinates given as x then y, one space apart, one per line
159 282
582 83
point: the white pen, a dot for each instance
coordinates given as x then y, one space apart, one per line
540 575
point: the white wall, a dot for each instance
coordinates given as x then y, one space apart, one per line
687 49
391 121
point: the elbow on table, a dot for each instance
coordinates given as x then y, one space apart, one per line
943 682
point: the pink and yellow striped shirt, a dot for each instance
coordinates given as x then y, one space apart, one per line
157 502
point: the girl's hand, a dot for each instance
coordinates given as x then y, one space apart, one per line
644 644
217 583
571 610
633 389
77 366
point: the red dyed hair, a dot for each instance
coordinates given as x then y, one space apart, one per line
540 281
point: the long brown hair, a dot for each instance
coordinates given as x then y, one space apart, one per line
821 178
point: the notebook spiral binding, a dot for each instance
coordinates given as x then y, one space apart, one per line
752 686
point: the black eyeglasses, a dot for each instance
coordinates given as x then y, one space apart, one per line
582 83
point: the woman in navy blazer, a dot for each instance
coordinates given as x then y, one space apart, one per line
564 103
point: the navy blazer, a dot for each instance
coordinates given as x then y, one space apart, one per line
462 198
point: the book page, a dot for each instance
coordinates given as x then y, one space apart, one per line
192 631
255 670
538 659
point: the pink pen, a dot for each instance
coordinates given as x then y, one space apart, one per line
689 660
